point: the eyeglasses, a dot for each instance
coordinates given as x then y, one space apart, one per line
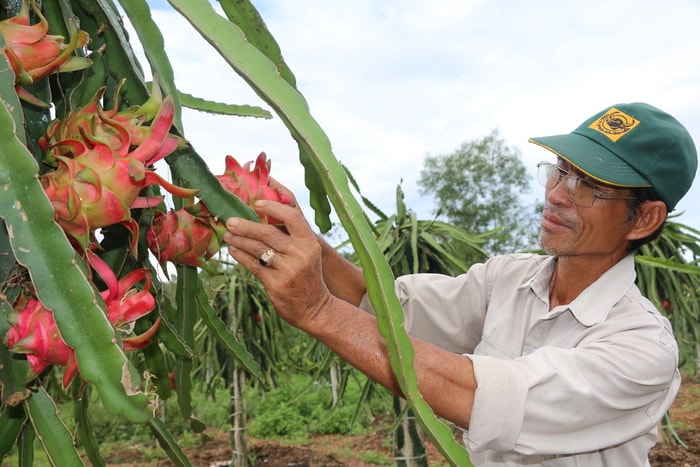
580 192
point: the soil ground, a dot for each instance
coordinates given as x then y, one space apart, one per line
345 451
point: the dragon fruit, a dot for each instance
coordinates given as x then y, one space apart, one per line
251 184
189 236
34 54
33 329
33 332
98 178
92 124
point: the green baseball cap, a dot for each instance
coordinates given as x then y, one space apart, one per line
631 145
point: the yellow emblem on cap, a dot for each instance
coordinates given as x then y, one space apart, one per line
614 124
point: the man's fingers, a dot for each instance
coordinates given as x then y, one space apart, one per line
274 184
292 217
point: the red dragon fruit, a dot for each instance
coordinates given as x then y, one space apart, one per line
189 236
251 184
34 332
92 124
34 54
96 184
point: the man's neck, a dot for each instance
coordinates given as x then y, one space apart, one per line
573 274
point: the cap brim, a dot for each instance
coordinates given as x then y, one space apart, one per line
593 159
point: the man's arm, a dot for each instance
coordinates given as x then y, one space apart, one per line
445 380
344 280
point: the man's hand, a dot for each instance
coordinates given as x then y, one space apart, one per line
293 278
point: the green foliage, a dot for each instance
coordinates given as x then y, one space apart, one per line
479 188
414 246
301 406
668 273
374 458
114 432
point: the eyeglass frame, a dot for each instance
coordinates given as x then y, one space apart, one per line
572 188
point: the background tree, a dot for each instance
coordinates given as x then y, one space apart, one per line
479 188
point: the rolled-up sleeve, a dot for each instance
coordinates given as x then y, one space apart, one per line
499 404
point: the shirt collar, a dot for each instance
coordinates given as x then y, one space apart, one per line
593 305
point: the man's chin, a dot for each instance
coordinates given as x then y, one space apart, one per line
553 247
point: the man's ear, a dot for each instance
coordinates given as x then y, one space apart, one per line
650 217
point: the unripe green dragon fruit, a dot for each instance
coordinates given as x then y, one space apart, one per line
95 186
252 183
189 236
34 54
33 329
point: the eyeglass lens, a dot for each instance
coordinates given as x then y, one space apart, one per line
579 191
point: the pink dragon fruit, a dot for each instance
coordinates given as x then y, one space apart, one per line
33 332
95 186
251 184
92 124
34 54
189 236
125 303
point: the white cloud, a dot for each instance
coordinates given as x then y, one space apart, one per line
391 81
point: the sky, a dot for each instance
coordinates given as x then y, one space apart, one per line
393 81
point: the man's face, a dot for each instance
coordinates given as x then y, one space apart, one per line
599 230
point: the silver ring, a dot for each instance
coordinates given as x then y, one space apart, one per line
267 257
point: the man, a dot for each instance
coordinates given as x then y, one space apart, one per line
543 360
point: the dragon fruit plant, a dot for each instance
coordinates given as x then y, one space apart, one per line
93 169
102 161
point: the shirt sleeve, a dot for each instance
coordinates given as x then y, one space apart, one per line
562 400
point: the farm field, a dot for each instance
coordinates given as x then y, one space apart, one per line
375 448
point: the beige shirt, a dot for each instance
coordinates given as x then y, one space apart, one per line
585 384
